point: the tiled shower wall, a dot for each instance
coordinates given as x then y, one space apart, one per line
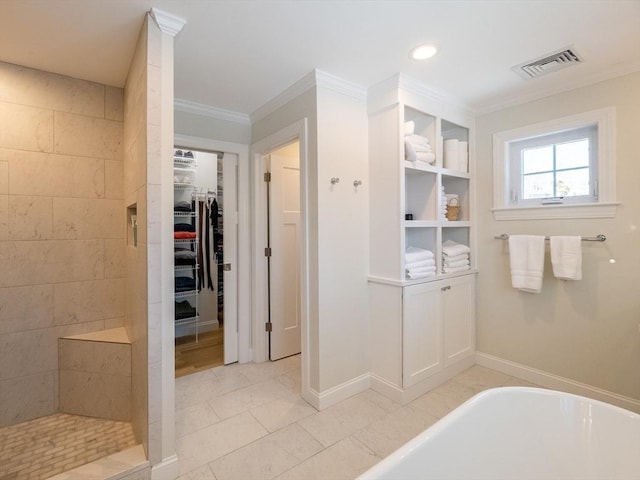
62 227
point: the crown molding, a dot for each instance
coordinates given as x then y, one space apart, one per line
340 85
515 100
168 23
211 112
315 78
400 81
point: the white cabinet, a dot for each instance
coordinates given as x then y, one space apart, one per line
422 327
438 326
421 335
458 299
421 332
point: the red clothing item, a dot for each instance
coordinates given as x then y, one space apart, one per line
184 235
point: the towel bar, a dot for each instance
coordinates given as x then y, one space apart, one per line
597 238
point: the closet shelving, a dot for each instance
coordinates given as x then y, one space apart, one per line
423 329
186 249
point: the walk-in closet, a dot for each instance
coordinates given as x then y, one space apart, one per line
199 259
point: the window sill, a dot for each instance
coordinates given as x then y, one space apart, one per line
551 212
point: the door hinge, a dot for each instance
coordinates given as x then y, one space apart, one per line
267 252
268 327
267 176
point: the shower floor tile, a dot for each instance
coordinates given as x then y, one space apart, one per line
47 446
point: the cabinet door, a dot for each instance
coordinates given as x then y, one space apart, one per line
421 335
458 317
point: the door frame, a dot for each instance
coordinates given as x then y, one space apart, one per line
260 149
244 243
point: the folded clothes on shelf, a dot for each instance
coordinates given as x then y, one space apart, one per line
184 310
184 254
184 235
182 206
183 227
184 284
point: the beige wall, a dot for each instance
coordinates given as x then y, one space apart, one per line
148 183
62 222
302 107
135 194
338 231
586 331
343 238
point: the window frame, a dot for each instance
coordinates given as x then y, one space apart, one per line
514 165
602 203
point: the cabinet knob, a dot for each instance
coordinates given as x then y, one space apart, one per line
444 289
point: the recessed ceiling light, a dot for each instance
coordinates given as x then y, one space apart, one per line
423 52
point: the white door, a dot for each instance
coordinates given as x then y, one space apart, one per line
284 263
230 255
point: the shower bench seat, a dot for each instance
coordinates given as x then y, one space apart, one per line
94 374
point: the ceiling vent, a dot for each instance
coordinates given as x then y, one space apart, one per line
547 64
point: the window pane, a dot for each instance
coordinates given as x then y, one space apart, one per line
537 159
537 186
572 154
573 182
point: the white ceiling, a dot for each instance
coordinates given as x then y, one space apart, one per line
238 54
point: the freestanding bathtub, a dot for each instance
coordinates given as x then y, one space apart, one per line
524 434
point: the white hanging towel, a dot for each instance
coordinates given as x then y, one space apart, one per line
526 257
566 257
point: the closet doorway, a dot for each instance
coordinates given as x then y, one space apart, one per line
205 259
284 251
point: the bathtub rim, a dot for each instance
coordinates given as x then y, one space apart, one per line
408 448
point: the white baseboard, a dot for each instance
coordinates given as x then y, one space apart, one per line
386 388
555 382
166 470
338 393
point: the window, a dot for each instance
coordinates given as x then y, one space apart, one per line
554 169
564 168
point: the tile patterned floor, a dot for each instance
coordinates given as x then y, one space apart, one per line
249 422
46 446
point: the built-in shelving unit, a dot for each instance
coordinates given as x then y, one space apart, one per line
423 327
186 263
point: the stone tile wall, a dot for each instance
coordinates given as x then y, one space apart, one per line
62 227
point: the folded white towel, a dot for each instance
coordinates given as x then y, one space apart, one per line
458 263
455 269
412 149
425 157
455 258
420 264
566 257
409 127
414 254
526 257
417 140
421 270
414 276
452 248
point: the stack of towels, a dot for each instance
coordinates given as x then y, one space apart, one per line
416 147
419 263
442 208
455 257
